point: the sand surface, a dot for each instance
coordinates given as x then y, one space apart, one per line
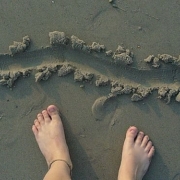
95 117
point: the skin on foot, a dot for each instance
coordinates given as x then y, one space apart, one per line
49 133
136 155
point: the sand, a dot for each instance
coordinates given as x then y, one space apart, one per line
106 65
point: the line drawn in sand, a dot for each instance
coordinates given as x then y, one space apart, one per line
122 58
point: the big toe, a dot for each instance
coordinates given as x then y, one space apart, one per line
53 112
131 134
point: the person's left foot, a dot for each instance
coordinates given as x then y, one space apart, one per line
49 133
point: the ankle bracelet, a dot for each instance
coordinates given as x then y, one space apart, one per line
70 168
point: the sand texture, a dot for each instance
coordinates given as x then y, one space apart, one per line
107 65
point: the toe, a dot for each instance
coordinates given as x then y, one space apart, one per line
151 152
46 116
131 134
35 130
53 112
40 118
148 146
139 138
37 124
145 141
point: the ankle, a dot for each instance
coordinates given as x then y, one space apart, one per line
63 168
61 153
126 174
61 160
58 170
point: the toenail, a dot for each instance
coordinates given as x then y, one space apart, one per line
52 109
132 130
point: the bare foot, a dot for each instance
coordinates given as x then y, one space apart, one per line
136 155
49 133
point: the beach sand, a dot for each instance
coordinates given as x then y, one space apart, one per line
101 96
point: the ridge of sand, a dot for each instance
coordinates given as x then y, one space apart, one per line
64 49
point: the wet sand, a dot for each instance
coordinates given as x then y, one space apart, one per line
100 97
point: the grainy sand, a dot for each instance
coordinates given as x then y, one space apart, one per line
95 132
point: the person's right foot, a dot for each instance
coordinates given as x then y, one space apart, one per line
136 155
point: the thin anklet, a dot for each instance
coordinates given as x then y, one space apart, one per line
70 168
